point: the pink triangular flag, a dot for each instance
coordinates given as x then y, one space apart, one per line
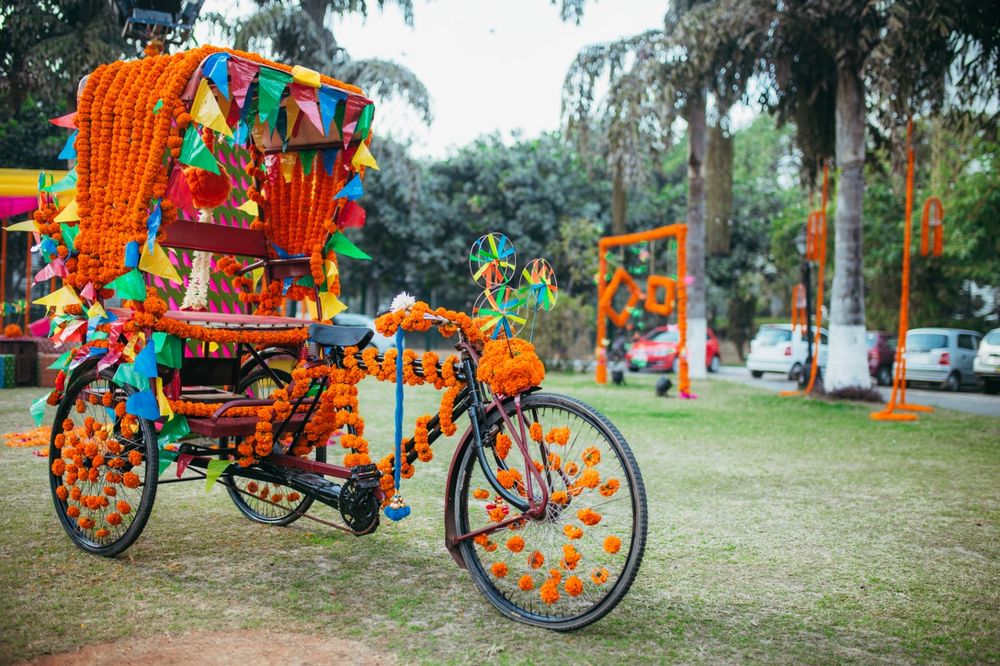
68 121
305 98
114 353
56 268
184 459
241 73
88 292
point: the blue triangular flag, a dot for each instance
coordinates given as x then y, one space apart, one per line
216 68
328 100
145 361
353 190
330 159
143 404
153 225
69 150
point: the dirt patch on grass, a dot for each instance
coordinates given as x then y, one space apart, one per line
211 648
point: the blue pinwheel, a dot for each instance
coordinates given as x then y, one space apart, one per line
538 285
501 308
492 260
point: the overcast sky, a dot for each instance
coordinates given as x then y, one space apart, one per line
489 66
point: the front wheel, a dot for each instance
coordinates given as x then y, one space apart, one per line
571 566
953 382
713 365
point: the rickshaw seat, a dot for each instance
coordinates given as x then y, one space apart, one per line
331 335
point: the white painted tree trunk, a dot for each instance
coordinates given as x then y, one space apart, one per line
847 363
696 325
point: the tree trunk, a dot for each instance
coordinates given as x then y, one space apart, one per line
696 325
847 365
619 200
718 191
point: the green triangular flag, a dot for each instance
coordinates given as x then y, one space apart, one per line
38 409
158 106
173 430
338 117
169 349
271 84
214 471
68 182
126 374
61 362
195 153
306 158
130 285
166 459
341 244
365 121
69 234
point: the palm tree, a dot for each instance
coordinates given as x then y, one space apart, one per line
826 61
298 31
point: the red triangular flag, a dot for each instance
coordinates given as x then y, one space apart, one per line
179 194
68 121
351 215
241 73
352 111
305 97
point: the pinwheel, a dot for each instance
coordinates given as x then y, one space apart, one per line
492 260
501 308
538 285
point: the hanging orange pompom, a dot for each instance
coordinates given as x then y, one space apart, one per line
208 190
12 331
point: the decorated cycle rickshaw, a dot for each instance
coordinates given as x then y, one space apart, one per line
544 503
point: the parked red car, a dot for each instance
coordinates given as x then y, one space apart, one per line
657 350
881 354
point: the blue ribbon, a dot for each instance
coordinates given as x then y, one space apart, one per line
400 341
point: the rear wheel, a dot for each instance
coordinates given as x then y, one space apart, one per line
953 382
756 374
796 372
263 501
103 465
991 388
713 365
884 376
572 565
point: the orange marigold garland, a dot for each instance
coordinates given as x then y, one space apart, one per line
510 366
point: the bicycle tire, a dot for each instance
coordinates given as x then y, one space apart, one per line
498 590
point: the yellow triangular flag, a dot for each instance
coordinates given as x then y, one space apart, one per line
205 109
305 76
96 310
250 207
59 298
255 276
69 213
364 157
288 165
162 401
311 309
27 225
157 263
213 347
332 306
331 271
129 351
292 110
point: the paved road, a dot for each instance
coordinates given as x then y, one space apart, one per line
964 401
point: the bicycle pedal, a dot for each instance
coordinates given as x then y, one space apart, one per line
366 476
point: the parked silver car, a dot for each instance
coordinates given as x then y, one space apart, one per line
987 363
942 356
379 341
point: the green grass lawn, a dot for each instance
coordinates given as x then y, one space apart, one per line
781 530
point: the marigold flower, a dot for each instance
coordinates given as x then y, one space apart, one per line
571 556
536 560
114 519
58 467
135 458
535 431
62 493
85 523
480 539
571 468
574 586
123 507
480 494
75 493
508 477
572 531
558 436
549 592
609 488
526 583
599 576
110 491
559 497
81 407
130 479
591 456
497 514
73 511
102 533
590 478
502 446
293 497
612 544
589 517
515 544
499 569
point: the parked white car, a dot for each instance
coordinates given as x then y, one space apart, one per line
379 341
942 356
778 348
987 363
